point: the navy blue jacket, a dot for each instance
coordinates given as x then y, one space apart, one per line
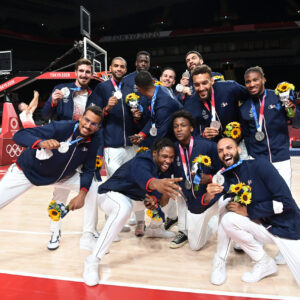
267 185
133 177
60 165
227 96
204 147
129 80
164 107
275 146
118 123
65 108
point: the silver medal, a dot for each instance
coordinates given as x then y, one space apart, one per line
118 94
215 124
259 136
188 184
218 178
179 88
153 131
65 91
64 147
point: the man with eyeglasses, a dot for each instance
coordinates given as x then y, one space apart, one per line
68 101
53 153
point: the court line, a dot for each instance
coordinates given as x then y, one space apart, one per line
36 232
154 287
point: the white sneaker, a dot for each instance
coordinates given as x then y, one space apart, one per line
279 259
132 220
87 241
117 239
237 247
218 275
158 231
126 228
263 268
53 244
91 272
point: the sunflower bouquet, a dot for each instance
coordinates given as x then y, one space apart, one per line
156 82
285 91
233 130
142 149
132 100
198 162
57 211
98 162
241 193
218 78
156 214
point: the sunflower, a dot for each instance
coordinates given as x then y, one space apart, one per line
132 97
54 215
245 198
219 78
235 188
149 213
156 82
98 162
206 160
142 149
235 133
235 124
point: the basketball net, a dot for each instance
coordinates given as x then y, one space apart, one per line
103 76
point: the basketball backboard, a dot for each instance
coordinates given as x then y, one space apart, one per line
96 54
5 62
85 22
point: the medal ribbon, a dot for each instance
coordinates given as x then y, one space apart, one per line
223 170
186 164
258 123
77 140
153 99
117 88
213 105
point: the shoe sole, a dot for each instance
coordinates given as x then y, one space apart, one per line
266 274
175 246
51 249
171 226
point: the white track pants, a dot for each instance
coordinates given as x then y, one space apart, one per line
14 183
285 170
117 207
246 233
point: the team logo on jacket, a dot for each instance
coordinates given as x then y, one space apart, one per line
178 161
250 113
84 149
66 100
224 104
204 114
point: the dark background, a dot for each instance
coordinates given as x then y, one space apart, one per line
231 35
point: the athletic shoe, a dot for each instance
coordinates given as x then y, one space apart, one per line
279 259
87 241
179 240
91 272
132 220
154 231
263 268
53 244
117 238
237 248
170 222
96 234
126 228
218 275
140 228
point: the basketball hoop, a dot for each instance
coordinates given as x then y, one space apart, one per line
103 76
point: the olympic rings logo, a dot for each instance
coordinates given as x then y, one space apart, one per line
14 123
14 150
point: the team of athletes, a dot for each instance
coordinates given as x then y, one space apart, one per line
165 150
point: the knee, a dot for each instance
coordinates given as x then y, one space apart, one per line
229 221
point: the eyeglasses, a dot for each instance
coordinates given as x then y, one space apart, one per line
88 121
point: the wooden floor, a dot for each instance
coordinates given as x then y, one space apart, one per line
24 233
